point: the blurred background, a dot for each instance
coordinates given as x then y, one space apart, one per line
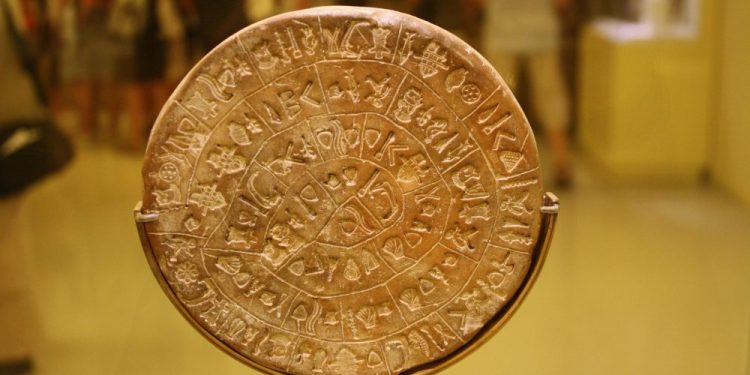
639 106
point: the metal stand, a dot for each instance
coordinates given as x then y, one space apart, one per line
549 211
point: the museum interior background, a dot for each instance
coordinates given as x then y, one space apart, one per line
648 272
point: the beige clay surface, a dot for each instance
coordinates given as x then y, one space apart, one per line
342 190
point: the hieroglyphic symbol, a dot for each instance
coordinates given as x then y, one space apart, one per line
309 352
494 280
180 246
404 51
345 362
369 261
438 127
495 128
483 301
309 41
515 238
374 359
409 102
220 86
305 322
397 352
443 338
390 148
208 198
266 202
413 169
410 298
308 199
518 184
192 224
438 275
384 310
380 90
470 93
515 204
372 190
189 139
514 231
353 222
290 47
206 109
486 113
426 286
430 195
351 323
296 154
241 66
236 235
459 151
249 283
273 301
394 246
455 79
334 137
229 264
262 53
273 115
348 175
419 227
331 318
186 273
218 313
467 179
435 129
279 347
351 270
281 244
353 85
511 159
240 133
462 238
226 161
380 41
432 60
367 316
477 306
339 45
289 103
418 343
470 212
428 209
169 174
450 260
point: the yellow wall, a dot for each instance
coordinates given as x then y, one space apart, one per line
732 145
647 104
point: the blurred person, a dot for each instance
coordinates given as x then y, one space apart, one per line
219 19
30 149
147 89
462 17
91 65
525 34
176 17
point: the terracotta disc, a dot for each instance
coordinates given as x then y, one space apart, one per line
342 190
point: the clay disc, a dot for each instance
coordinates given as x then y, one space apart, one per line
342 190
